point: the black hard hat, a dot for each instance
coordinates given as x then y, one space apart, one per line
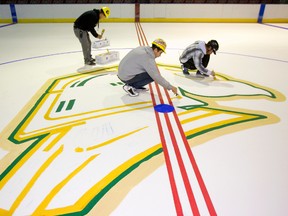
214 44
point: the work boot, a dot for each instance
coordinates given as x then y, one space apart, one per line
198 73
185 70
91 62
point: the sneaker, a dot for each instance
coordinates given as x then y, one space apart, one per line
185 70
198 73
91 62
142 88
130 90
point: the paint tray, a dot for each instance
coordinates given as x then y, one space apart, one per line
107 57
101 43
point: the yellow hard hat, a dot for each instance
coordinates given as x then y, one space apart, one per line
160 43
106 11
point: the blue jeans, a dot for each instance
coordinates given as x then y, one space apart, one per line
139 80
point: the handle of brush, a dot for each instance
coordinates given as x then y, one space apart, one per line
102 32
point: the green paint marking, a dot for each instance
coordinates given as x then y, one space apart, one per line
60 107
74 84
19 158
70 104
86 80
116 84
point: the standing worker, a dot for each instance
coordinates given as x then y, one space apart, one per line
138 68
86 23
197 56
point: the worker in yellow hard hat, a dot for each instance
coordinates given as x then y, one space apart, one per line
160 43
87 23
106 11
138 68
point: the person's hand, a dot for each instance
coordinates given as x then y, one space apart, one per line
174 90
213 73
99 36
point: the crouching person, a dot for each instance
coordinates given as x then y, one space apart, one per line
138 68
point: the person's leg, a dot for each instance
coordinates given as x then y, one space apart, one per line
89 47
140 80
84 39
129 89
135 83
188 65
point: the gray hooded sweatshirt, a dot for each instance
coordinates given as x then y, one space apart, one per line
141 60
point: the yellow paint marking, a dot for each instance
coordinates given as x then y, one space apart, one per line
81 78
194 110
58 187
35 111
63 132
55 84
77 77
216 124
79 149
74 80
34 179
114 139
201 116
20 135
47 115
97 188
56 92
21 162
219 77
4 212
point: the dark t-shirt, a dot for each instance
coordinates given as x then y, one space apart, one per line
87 21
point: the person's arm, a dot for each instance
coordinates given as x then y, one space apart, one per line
174 90
95 34
153 72
197 58
93 21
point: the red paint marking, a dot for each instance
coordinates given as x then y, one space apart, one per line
137 34
192 201
143 33
142 43
201 183
185 178
167 159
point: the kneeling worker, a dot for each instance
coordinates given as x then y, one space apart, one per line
197 56
138 68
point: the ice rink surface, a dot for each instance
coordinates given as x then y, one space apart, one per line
104 156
